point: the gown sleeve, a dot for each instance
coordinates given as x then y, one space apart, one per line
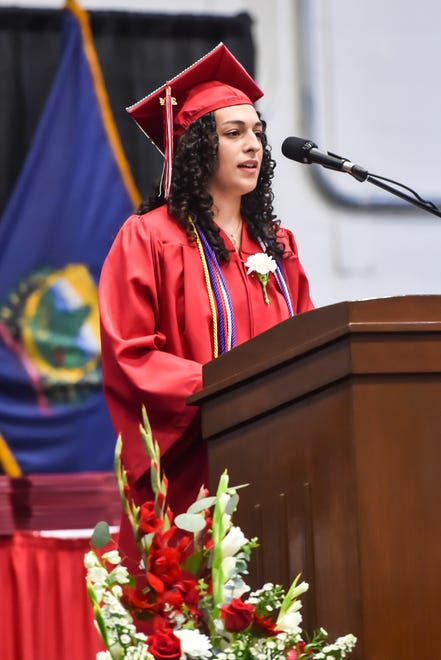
296 275
137 368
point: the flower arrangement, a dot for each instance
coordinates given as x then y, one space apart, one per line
261 264
195 598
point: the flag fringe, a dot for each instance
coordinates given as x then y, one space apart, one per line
7 461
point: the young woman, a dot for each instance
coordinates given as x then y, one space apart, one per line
175 290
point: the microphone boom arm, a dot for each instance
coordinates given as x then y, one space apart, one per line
306 151
362 175
426 206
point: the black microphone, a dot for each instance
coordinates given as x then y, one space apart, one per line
306 151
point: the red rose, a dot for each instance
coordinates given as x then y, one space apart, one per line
164 645
148 520
237 615
264 626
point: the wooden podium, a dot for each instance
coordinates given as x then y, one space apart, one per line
334 419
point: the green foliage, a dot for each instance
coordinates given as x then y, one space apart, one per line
190 522
101 535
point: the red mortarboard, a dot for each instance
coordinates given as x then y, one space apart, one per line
215 81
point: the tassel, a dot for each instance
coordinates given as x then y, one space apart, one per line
168 103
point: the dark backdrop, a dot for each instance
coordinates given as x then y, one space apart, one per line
137 53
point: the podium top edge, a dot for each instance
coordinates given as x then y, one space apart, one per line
316 328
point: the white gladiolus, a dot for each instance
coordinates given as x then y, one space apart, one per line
226 521
300 589
193 643
290 622
233 542
227 556
294 607
228 567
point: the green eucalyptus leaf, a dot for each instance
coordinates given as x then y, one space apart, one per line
101 535
232 504
201 505
190 522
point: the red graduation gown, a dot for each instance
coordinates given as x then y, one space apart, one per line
156 333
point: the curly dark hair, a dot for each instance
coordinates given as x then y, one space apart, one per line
194 163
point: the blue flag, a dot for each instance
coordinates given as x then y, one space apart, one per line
73 193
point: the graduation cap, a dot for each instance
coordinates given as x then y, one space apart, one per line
215 81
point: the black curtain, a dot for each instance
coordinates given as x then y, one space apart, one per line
137 53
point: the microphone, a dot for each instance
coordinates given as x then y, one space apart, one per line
306 151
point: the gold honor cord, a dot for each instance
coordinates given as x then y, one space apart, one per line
208 286
103 100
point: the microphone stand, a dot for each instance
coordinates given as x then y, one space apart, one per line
362 175
304 151
426 206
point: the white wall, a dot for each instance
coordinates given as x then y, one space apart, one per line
347 254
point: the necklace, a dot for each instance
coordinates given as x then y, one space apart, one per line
235 235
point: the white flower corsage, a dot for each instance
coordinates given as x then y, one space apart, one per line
261 264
